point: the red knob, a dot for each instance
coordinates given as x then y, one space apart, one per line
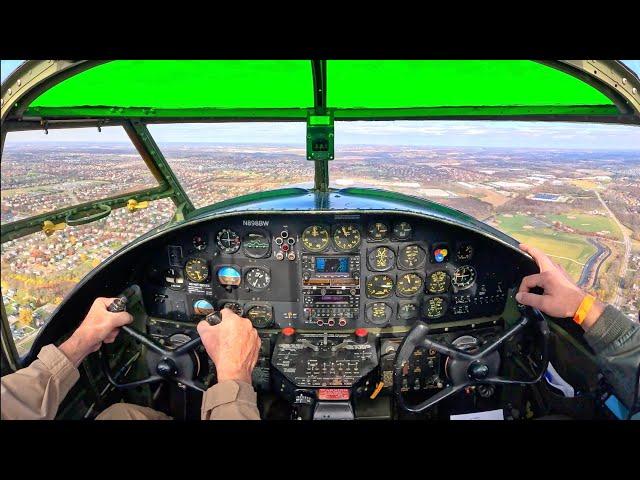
361 334
288 331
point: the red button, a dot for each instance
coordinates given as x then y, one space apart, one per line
361 332
285 248
288 331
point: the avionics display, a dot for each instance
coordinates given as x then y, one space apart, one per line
332 264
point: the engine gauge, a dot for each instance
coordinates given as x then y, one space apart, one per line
379 286
411 257
381 259
202 307
408 311
234 307
315 238
438 282
229 277
409 284
197 270
379 313
199 242
402 231
256 244
261 316
174 278
258 278
435 307
346 237
464 277
228 241
464 251
377 231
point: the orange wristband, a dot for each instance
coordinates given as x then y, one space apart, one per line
584 309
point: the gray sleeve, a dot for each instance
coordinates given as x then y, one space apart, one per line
616 341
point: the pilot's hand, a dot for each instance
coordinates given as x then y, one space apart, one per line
100 325
233 345
561 297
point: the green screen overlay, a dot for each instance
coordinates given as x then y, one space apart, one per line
355 88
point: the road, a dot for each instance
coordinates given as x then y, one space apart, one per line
627 253
592 267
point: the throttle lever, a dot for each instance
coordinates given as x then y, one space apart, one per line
213 318
118 305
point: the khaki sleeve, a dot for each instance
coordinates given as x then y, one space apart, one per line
230 400
35 392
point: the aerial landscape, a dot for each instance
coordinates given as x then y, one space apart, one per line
580 206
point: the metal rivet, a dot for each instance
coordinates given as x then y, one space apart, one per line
1 102
624 80
9 91
635 90
19 82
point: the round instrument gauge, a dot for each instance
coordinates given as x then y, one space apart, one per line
315 238
258 278
202 307
379 313
379 286
199 242
435 307
261 316
464 277
438 282
174 278
381 259
346 237
377 231
229 277
234 307
228 241
409 284
256 244
402 231
464 252
197 270
408 311
411 257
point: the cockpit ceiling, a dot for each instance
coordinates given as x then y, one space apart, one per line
288 89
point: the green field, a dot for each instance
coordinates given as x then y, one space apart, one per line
587 223
569 250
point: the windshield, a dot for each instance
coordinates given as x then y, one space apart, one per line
215 162
572 190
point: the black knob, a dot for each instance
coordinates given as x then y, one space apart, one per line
118 305
478 371
213 318
167 368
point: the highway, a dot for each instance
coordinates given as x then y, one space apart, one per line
627 253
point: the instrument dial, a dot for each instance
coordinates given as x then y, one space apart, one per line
381 259
379 286
228 241
197 270
346 237
409 284
464 251
202 307
315 238
199 242
229 277
234 307
379 313
258 278
261 316
438 282
256 244
435 307
377 231
402 231
411 257
408 311
464 277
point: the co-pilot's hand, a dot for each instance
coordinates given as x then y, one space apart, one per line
561 297
233 345
100 325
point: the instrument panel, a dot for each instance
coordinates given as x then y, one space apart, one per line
328 271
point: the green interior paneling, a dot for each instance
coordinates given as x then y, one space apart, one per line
355 89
